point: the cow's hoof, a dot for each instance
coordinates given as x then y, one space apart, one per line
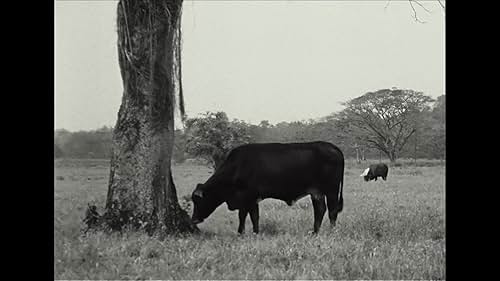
312 232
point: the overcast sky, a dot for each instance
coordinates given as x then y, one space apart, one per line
260 60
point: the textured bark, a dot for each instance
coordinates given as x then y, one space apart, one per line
141 192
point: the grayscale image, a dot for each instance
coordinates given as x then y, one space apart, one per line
249 140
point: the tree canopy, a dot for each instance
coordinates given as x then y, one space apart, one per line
385 119
212 136
336 128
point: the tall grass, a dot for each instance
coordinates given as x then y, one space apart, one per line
388 230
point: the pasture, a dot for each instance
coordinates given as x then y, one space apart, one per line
387 230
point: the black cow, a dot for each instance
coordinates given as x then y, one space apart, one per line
286 172
375 171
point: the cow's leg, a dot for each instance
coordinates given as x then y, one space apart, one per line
319 207
242 214
332 201
254 216
384 178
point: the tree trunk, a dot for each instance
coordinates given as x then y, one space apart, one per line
415 152
141 192
392 156
357 153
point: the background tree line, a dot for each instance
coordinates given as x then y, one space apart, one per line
83 144
389 123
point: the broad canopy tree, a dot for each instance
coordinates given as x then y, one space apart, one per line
385 119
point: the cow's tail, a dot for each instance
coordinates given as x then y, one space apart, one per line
340 204
340 199
339 161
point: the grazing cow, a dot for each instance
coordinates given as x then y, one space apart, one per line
287 172
375 171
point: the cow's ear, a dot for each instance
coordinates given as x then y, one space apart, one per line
198 193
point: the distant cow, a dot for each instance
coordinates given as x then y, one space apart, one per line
286 172
375 171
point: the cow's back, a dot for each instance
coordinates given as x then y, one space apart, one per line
379 169
280 170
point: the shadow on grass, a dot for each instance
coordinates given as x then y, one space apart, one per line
265 229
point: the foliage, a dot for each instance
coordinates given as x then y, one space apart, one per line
83 144
96 144
385 119
58 153
428 138
212 136
437 135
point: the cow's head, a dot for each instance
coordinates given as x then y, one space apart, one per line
205 201
367 174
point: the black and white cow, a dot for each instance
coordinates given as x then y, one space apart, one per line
375 171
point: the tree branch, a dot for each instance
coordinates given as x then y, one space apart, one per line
395 124
418 3
406 139
441 3
371 126
378 145
386 5
399 133
381 114
414 12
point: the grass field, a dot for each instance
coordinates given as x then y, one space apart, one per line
387 230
